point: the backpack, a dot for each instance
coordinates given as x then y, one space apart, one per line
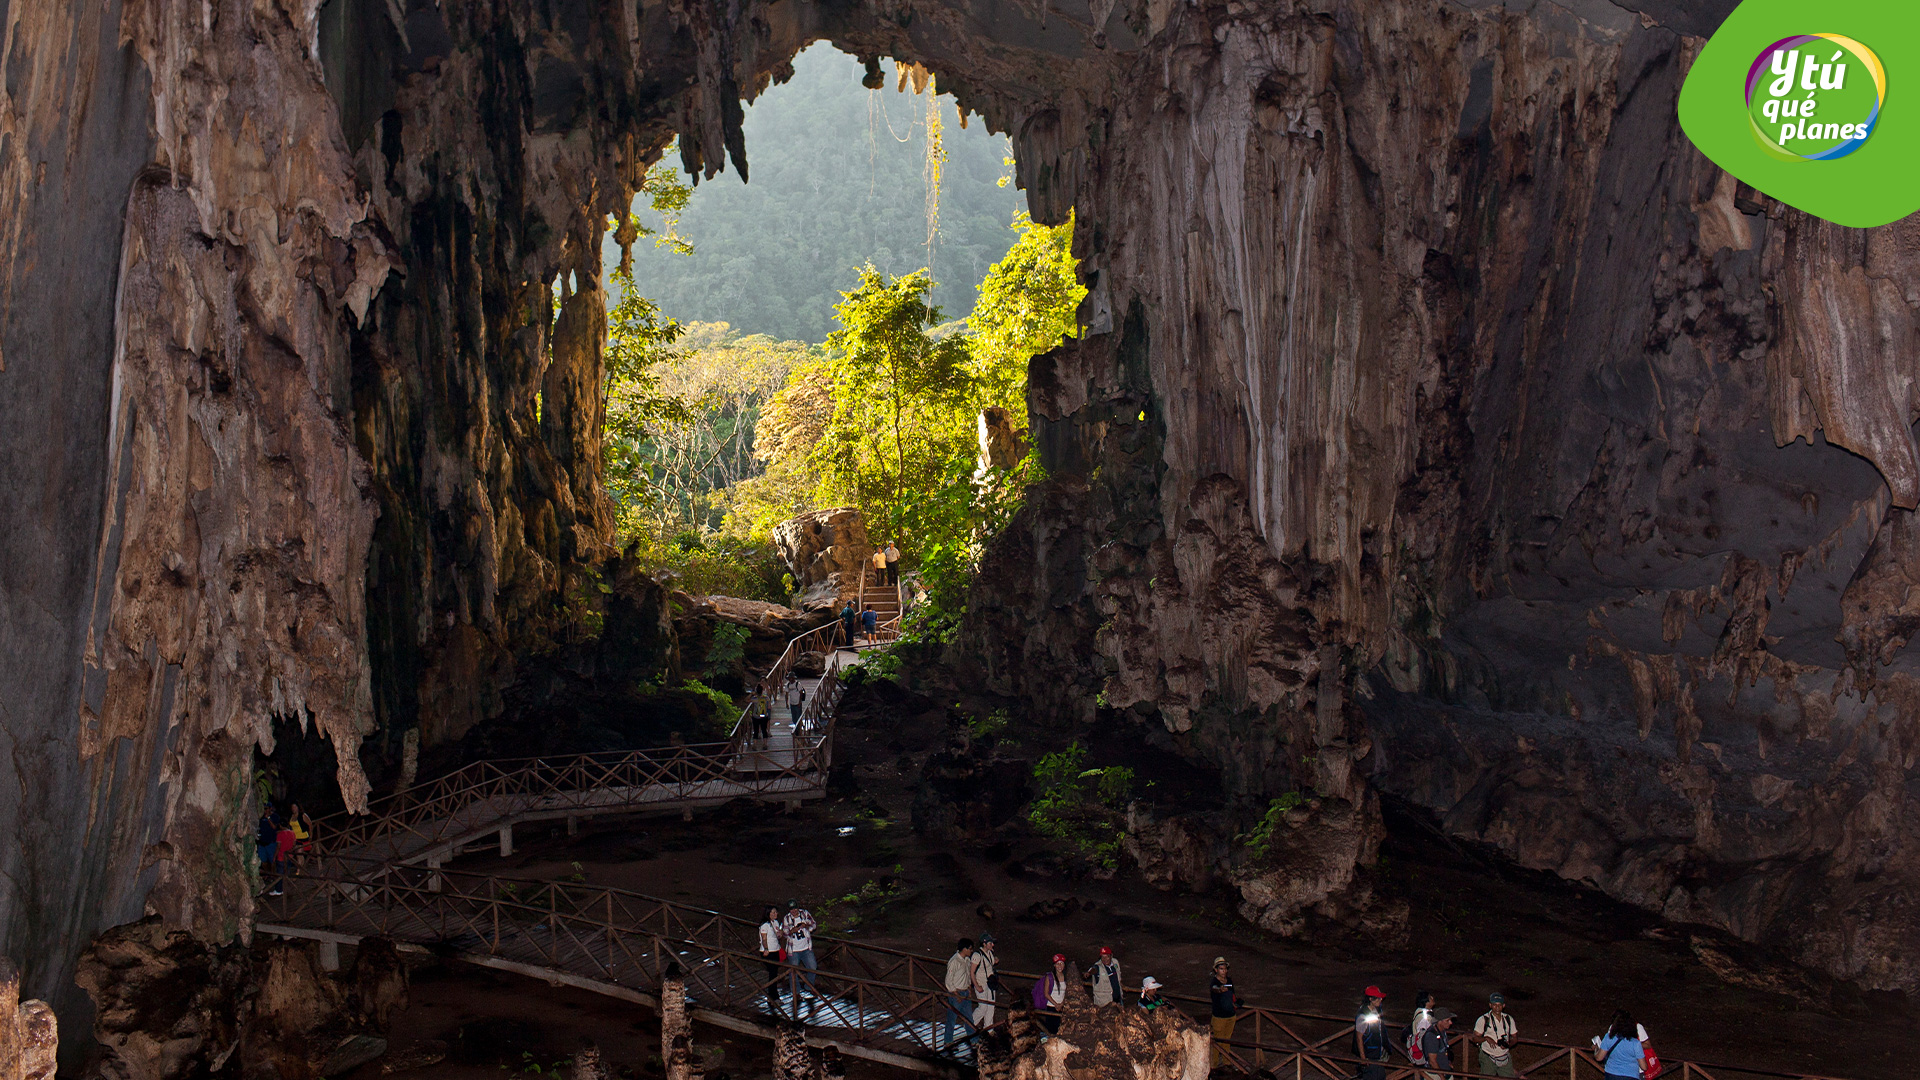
1415 1054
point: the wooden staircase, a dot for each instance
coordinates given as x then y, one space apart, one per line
884 599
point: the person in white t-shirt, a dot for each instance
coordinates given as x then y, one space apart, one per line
1495 1033
773 953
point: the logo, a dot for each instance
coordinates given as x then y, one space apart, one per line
1827 122
1805 108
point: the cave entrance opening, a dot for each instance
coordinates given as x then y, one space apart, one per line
851 328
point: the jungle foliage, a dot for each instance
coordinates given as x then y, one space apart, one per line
838 180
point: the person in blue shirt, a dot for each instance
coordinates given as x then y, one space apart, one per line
1619 1050
1370 1036
870 619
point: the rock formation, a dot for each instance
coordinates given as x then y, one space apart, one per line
824 550
171 1006
1102 1044
1442 422
29 1032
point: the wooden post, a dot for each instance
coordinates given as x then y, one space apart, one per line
506 840
329 956
433 879
573 825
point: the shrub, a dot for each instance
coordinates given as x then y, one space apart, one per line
1259 839
1082 806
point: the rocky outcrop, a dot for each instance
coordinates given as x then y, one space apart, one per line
1101 1043
171 1006
29 1031
825 551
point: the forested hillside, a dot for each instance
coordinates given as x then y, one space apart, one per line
838 179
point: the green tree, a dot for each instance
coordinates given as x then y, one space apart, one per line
900 398
1026 306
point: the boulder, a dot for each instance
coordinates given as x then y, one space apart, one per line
824 547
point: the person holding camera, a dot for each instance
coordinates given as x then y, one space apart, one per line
1495 1033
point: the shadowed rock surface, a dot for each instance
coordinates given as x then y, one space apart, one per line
1443 422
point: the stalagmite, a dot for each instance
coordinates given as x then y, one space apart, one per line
791 1058
587 1066
676 1028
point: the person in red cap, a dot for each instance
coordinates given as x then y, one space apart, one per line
1050 993
1103 979
1370 1036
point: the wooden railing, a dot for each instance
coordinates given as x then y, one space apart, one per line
417 823
861 994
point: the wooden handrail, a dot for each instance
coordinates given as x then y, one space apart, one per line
879 995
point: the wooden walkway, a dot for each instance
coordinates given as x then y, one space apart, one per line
384 875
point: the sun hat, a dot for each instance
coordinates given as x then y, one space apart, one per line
1149 983
1219 961
1374 991
1496 999
1443 1014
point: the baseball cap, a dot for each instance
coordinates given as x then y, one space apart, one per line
1059 958
986 939
1496 999
1105 951
1149 983
1374 991
1443 1014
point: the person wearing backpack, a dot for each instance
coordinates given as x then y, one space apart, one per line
1494 1033
1422 1019
1435 1045
1621 1049
1370 1036
1050 993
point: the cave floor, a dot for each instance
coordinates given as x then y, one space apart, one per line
1565 957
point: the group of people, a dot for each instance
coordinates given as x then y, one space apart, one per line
1427 1041
786 938
973 991
859 622
279 839
791 693
886 561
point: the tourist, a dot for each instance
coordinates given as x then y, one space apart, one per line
1370 1036
266 842
762 721
796 699
850 621
773 954
893 564
1494 1034
986 983
283 854
302 827
798 929
959 986
1621 1048
1226 1006
879 567
1103 978
1050 993
1150 998
1422 1016
870 620
1434 1046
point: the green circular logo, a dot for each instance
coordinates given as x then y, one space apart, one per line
1814 97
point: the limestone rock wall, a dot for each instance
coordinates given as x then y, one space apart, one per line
1429 378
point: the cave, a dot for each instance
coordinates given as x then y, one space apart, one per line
1444 426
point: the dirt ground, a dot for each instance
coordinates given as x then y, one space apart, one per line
1564 957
